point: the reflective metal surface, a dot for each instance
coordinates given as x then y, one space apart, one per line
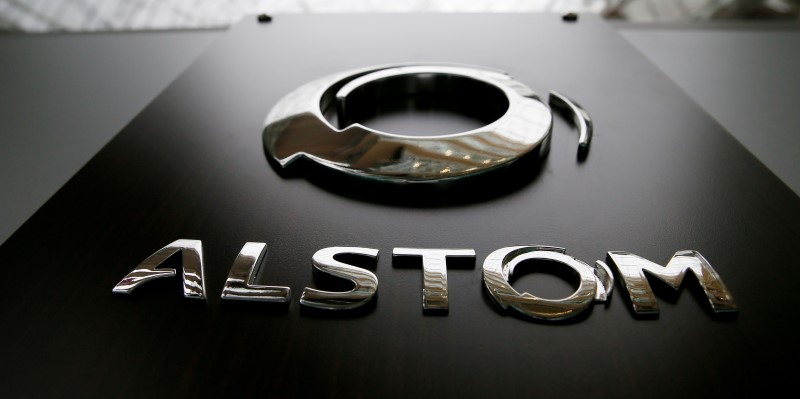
434 272
605 281
192 260
365 282
632 269
240 284
518 123
580 118
499 267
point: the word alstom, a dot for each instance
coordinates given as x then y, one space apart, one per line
596 282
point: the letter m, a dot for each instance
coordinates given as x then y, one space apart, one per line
632 269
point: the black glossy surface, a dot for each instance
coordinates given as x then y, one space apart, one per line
661 176
63 97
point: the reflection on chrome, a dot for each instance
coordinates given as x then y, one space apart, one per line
596 283
192 258
499 267
605 280
434 272
240 284
519 123
365 282
632 269
580 118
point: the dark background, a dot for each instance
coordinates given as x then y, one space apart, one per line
661 176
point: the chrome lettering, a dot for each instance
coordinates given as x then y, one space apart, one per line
499 266
192 257
596 282
632 268
240 284
366 283
434 272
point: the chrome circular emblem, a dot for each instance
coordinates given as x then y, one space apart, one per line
320 121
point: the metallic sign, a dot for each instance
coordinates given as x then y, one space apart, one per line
320 121
596 282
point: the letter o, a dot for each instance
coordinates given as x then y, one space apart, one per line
500 264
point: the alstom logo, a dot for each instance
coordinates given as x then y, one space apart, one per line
596 281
